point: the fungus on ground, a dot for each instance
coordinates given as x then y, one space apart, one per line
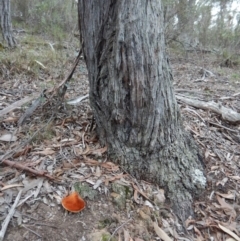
73 202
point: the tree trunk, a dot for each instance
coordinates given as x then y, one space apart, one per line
132 96
5 21
186 15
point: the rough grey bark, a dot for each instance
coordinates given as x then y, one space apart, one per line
186 17
5 21
132 96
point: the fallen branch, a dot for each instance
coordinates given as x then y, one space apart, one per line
226 113
16 104
9 216
62 87
31 109
30 230
224 127
60 91
28 169
122 225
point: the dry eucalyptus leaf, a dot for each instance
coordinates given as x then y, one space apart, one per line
161 234
227 208
8 137
97 184
126 235
222 182
227 196
229 232
147 203
46 152
235 177
98 172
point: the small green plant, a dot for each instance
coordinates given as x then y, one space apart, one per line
107 237
35 56
235 77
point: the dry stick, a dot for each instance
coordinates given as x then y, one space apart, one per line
68 78
30 230
119 228
224 127
25 199
28 216
45 224
188 109
61 93
28 169
9 216
29 111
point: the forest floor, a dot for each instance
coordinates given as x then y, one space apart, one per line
58 142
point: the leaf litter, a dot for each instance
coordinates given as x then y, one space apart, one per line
56 148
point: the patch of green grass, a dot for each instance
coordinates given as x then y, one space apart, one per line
235 77
33 55
55 19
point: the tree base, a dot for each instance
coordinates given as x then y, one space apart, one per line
177 168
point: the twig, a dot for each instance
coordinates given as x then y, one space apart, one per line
236 94
29 111
61 92
224 127
119 228
25 199
32 231
188 109
9 216
28 216
46 224
28 169
189 91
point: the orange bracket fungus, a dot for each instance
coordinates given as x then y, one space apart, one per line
73 202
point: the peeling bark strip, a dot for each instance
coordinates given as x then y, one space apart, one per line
5 21
132 96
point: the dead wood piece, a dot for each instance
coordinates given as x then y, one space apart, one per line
226 113
31 109
224 127
24 168
203 51
207 73
9 216
61 89
16 104
30 230
77 100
